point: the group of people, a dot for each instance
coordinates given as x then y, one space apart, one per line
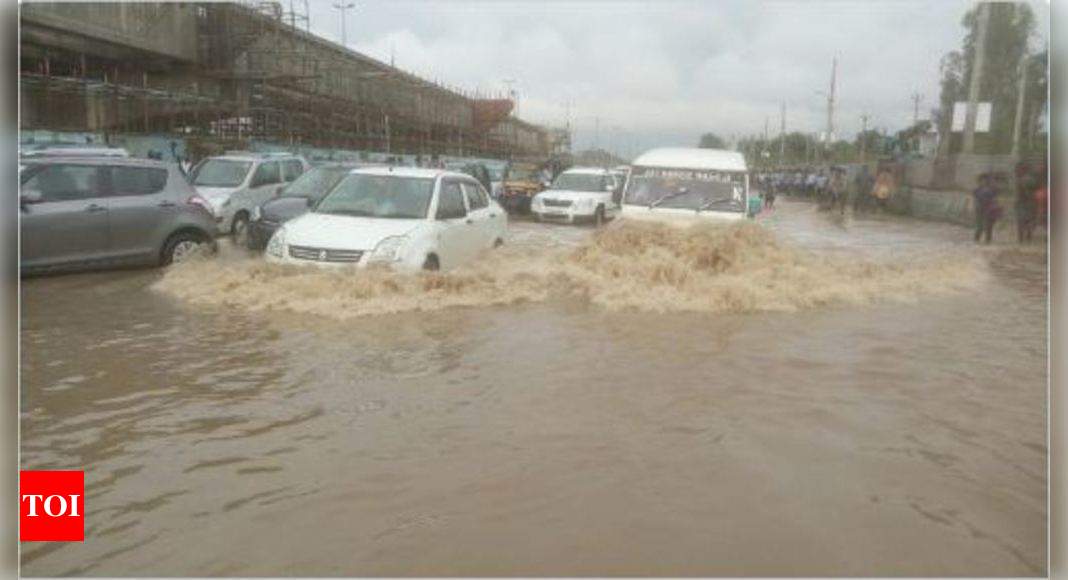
831 186
1031 201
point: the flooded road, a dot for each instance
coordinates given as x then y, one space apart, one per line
550 434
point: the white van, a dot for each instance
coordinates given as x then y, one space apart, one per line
681 184
239 181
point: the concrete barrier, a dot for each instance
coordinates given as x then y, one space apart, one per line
948 206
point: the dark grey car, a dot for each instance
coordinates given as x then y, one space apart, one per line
98 212
294 200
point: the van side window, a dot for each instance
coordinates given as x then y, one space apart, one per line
137 180
63 182
451 203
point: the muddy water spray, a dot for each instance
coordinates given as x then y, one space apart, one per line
633 266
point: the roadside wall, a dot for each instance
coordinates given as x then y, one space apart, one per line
937 205
958 172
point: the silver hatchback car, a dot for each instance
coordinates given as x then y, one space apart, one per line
98 212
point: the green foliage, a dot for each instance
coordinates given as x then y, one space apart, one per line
1010 27
712 141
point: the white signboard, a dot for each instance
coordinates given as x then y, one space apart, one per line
960 111
960 115
982 118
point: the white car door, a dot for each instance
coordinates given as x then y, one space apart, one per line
458 238
480 213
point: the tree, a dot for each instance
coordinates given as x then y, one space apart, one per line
953 90
870 141
712 141
909 138
1010 27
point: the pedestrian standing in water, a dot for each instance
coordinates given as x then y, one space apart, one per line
862 185
1042 198
1026 203
986 208
768 188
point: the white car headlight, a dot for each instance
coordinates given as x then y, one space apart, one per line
277 246
256 213
389 249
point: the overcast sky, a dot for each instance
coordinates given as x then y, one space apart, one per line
662 72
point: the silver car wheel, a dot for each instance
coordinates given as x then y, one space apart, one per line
240 231
183 250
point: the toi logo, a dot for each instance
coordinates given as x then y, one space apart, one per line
51 506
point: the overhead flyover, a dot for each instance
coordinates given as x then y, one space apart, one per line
239 71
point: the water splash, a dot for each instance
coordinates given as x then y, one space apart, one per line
633 266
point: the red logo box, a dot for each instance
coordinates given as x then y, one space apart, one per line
52 506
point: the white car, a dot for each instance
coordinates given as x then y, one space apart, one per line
236 183
406 218
578 194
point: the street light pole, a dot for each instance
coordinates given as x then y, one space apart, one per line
344 7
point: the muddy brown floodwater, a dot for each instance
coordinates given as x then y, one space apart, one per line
557 416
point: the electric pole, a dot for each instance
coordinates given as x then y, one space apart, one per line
782 134
1021 92
916 98
978 62
830 100
863 137
344 8
512 95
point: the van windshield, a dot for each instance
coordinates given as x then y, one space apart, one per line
686 189
221 173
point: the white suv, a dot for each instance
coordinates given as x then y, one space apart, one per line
237 182
579 194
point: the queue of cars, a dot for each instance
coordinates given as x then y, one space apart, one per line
134 211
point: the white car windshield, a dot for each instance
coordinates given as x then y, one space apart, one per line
380 196
686 189
221 173
580 182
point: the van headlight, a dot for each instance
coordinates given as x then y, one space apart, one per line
389 249
277 246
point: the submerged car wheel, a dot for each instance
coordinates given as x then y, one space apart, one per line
239 229
431 264
181 247
598 216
